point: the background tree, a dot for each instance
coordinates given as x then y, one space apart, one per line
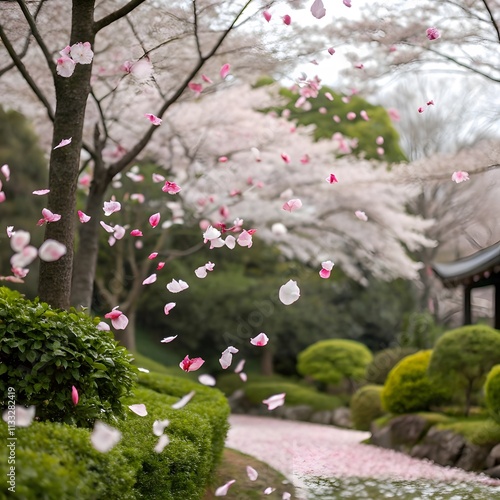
464 356
335 360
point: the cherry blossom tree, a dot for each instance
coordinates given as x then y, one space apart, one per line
145 54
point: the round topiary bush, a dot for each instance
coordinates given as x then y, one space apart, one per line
44 352
492 392
408 387
331 361
366 406
384 361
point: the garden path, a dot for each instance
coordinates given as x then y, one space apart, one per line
300 450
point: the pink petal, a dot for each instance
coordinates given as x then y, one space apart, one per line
63 143
460 176
158 178
74 395
269 490
168 307
328 265
206 79
153 255
104 437
318 9
224 71
294 204
51 250
183 401
285 158
41 192
432 33
83 217
361 215
111 207
243 376
222 490
252 473
206 379
324 273
239 366
5 171
227 357
261 340
170 188
120 323
195 87
331 51
332 179
287 19
154 220
275 401
139 409
149 280
160 266
153 119
136 232
167 340
191 365
177 286
19 240
267 15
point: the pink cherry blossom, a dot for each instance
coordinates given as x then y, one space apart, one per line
167 340
177 286
168 307
74 395
6 172
195 87
224 71
331 51
136 232
153 119
19 240
191 365
154 220
149 280
51 250
261 340
118 319
227 357
83 217
185 399
206 379
289 292
274 401
65 66
41 192
361 215
432 33
267 15
170 188
139 409
291 205
82 53
63 143
104 437
48 216
460 176
221 491
252 473
287 19
332 179
111 207
318 9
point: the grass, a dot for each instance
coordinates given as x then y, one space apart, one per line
477 430
233 466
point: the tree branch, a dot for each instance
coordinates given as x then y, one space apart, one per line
493 21
24 72
197 39
118 14
41 43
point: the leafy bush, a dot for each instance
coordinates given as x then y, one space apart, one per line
296 394
492 392
331 361
366 406
462 357
384 361
58 461
408 387
44 352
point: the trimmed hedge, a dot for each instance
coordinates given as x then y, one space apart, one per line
384 361
45 351
58 461
366 406
492 393
408 388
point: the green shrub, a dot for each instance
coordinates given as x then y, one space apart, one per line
296 395
331 361
366 406
462 357
384 361
58 461
408 387
44 352
492 392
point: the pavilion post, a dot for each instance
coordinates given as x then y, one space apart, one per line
467 305
497 306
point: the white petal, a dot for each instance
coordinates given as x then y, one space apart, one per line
104 437
159 426
184 400
139 409
22 416
162 442
289 293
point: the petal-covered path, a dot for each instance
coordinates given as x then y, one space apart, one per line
300 450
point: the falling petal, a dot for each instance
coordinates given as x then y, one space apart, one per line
104 437
183 401
222 490
289 293
162 443
159 426
139 409
206 379
51 250
63 143
167 340
23 416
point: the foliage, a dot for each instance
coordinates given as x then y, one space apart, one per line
228 383
419 331
384 361
296 395
57 461
492 392
480 431
366 406
366 132
331 361
462 357
408 388
44 352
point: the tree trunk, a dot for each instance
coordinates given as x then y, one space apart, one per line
54 284
468 398
127 337
266 362
85 264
